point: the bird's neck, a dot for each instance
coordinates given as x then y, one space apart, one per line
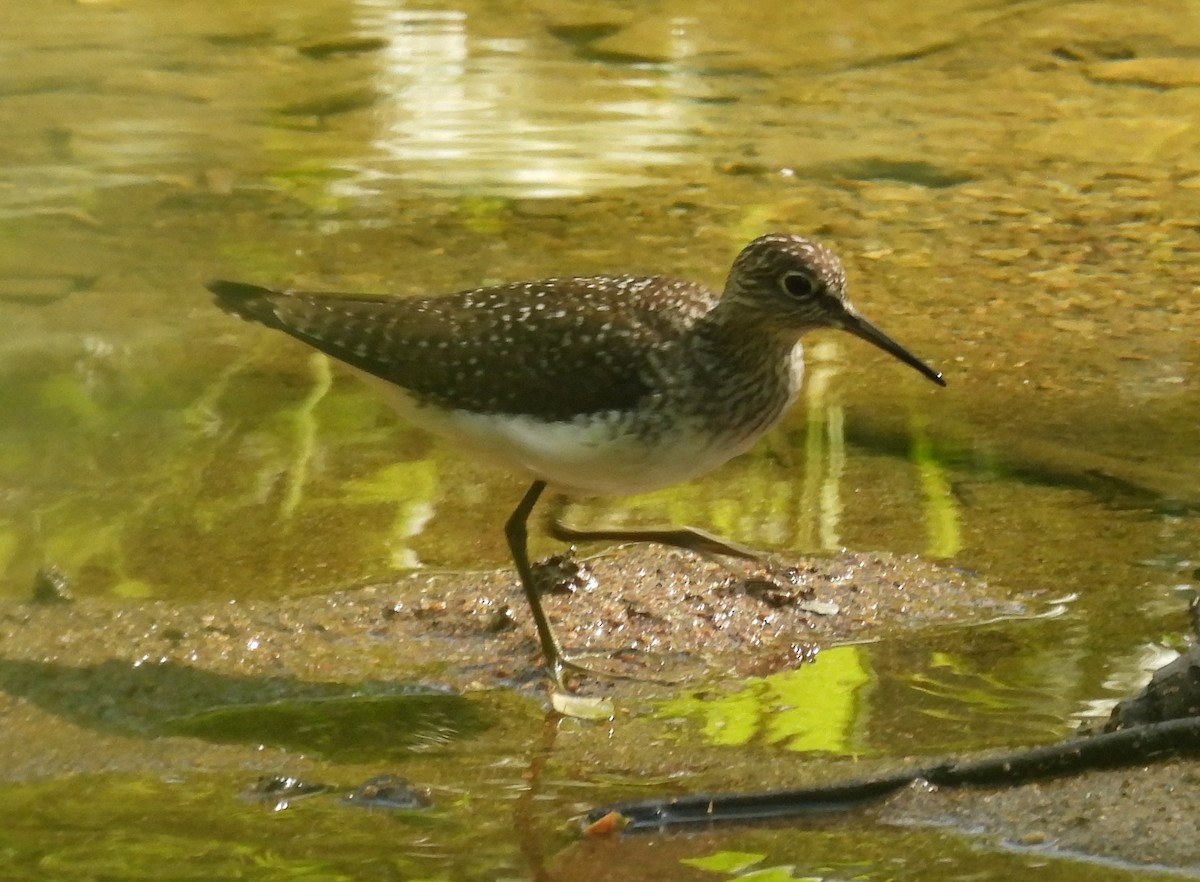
733 326
745 357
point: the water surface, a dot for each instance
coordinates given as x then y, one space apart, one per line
1013 187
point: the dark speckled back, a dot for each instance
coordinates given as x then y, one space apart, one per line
554 349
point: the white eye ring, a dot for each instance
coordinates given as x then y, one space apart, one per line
798 285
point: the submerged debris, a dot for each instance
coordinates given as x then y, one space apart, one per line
388 792
51 585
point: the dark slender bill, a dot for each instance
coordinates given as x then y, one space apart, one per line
860 327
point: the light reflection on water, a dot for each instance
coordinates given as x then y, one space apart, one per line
494 116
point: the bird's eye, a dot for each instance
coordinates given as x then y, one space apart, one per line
799 285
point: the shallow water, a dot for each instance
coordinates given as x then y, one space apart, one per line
1013 187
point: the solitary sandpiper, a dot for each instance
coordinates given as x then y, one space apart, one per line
592 385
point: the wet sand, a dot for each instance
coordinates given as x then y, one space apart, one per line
113 676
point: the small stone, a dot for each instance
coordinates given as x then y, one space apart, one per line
819 607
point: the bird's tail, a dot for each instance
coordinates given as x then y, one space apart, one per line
251 302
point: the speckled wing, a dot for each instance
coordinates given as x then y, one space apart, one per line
553 349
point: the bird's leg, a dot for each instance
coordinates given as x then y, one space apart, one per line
516 531
687 538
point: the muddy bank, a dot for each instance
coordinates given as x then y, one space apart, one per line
121 669
100 687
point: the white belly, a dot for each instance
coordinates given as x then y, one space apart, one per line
580 457
597 457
